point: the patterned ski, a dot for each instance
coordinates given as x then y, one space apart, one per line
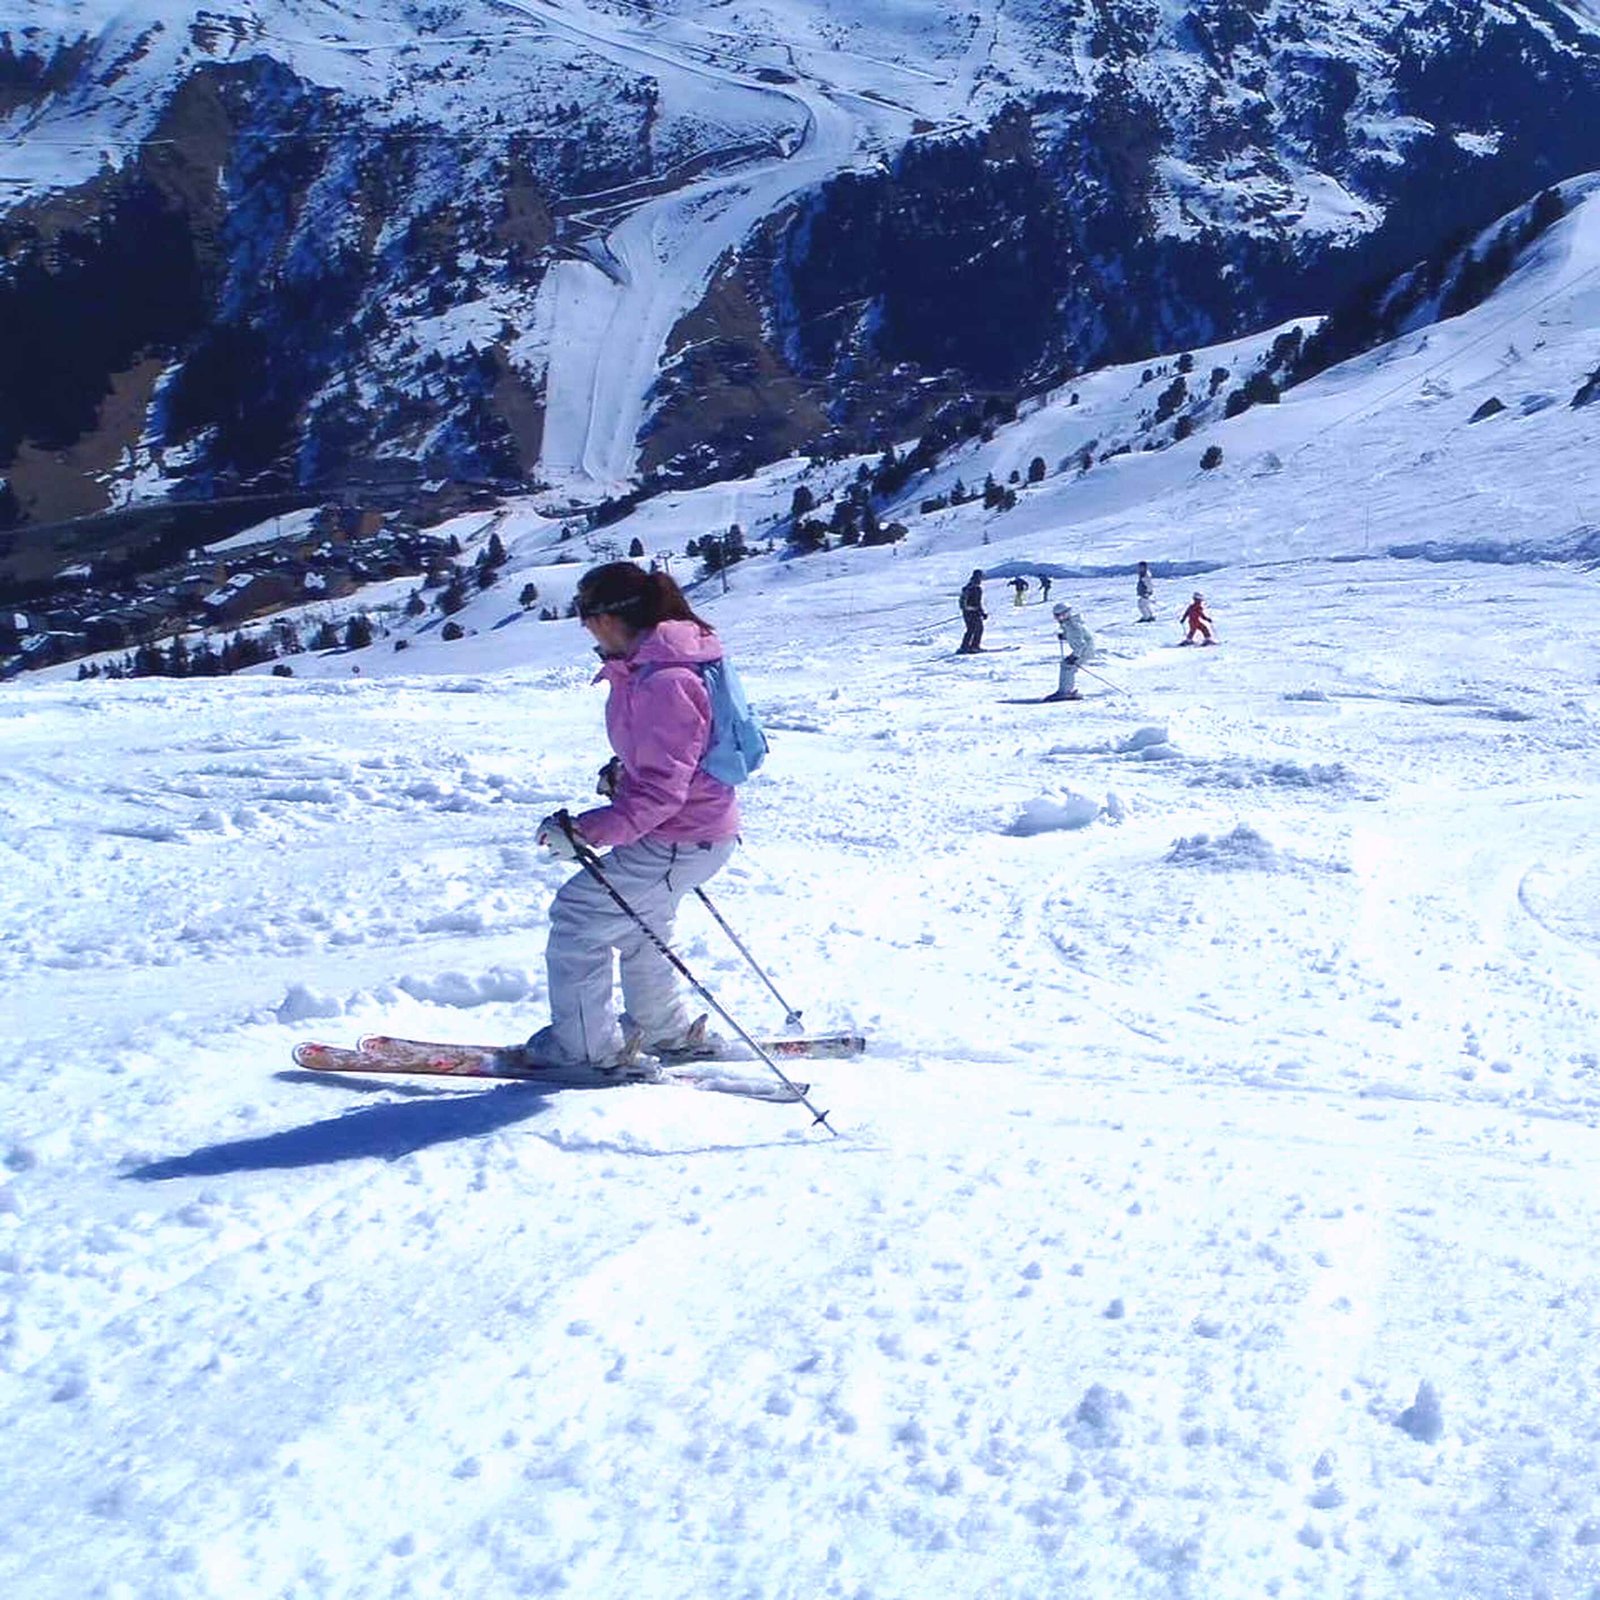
792 1047
379 1054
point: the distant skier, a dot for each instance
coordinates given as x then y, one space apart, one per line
1144 590
1077 649
972 613
1044 590
1019 587
1196 619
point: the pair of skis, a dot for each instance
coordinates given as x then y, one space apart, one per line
380 1053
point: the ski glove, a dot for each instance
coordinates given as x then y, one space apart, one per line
557 834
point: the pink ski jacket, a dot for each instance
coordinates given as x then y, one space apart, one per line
658 719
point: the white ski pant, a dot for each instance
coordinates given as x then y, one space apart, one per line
1067 683
1147 608
587 925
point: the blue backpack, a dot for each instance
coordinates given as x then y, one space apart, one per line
737 745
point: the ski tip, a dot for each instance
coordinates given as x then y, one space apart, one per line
312 1054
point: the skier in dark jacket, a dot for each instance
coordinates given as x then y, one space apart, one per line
972 613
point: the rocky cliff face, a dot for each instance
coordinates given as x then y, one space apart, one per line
281 272
1222 170
273 284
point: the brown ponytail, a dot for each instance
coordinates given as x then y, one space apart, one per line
640 598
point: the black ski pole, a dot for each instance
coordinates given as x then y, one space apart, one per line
920 635
792 1016
590 862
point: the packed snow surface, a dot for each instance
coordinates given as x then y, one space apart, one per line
1212 1211
1211 1215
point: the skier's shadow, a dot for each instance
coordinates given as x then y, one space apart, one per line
384 1132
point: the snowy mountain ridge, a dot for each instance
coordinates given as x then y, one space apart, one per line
423 232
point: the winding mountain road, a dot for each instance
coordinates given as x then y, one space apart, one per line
608 319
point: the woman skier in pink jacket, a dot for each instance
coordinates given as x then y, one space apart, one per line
668 826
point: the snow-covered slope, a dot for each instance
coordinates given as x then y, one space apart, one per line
1211 1211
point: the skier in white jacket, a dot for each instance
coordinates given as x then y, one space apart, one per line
1077 649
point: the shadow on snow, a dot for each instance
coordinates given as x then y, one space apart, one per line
383 1132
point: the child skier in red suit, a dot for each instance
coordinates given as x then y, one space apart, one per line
1197 621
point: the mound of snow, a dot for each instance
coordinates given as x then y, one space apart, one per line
1239 773
463 991
302 1003
1242 849
1150 743
1143 738
1055 813
1423 1419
